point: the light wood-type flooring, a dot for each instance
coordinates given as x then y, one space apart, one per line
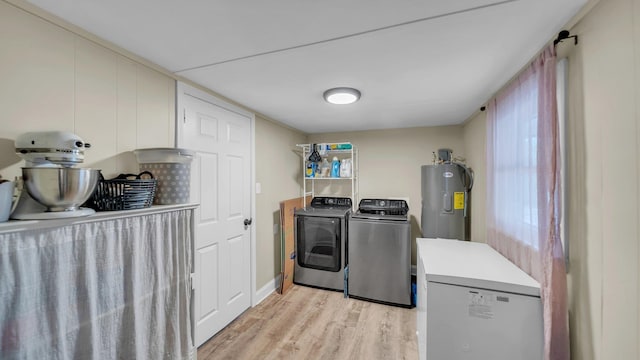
308 323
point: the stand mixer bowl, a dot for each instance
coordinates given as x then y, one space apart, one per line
60 188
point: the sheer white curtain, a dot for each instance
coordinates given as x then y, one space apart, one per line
523 199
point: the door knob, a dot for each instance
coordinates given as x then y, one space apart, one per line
247 222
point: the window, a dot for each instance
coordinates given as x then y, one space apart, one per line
515 163
524 187
562 75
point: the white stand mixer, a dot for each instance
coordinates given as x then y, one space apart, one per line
53 150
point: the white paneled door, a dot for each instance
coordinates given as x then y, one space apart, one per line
221 183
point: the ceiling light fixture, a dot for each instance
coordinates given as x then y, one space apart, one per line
341 95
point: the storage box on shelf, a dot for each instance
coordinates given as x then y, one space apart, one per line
171 167
330 163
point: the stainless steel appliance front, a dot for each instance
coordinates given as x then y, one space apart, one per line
380 255
446 190
321 236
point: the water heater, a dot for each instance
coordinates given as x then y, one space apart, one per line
446 189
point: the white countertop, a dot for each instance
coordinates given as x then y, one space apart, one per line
473 264
21 225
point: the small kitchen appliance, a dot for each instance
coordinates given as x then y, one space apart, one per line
52 187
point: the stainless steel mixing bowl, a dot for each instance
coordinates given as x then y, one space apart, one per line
60 189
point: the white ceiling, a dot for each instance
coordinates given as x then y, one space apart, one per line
416 62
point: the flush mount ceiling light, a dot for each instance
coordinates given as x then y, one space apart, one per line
341 95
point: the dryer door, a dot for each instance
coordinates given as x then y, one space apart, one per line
318 243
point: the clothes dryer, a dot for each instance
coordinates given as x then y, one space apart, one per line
321 243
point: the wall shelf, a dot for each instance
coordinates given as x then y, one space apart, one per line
309 187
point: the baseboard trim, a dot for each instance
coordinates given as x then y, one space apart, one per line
266 290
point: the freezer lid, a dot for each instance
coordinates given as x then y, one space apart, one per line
473 264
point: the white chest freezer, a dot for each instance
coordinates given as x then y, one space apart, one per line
473 303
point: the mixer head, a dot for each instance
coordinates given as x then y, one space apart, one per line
51 148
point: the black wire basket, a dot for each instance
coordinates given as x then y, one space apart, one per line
124 192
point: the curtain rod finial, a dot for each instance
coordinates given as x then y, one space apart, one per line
565 34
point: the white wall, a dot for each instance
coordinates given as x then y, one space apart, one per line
53 79
56 77
604 76
390 162
279 173
603 169
475 139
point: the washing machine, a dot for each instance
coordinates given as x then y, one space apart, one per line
379 253
321 232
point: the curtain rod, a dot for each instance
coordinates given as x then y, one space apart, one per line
562 35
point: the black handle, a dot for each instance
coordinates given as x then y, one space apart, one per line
134 176
247 222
